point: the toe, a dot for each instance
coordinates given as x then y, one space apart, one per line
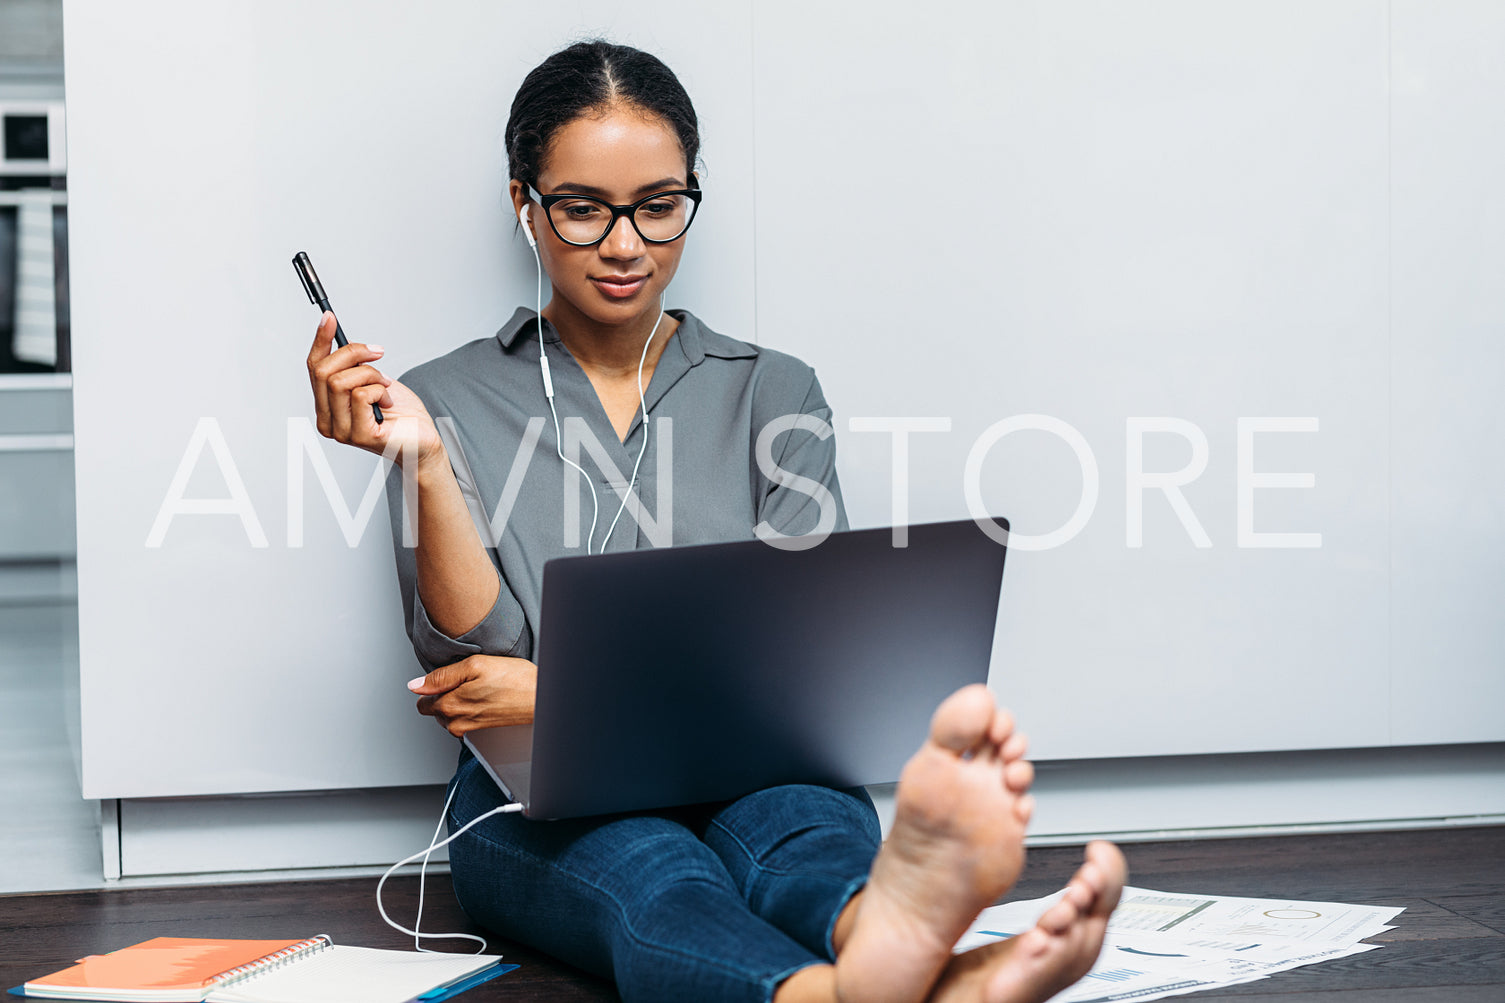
1024 808
962 720
1109 862
1080 891
1090 878
1032 943
1059 917
1018 775
1002 728
1014 747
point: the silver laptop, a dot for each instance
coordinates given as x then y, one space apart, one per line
695 674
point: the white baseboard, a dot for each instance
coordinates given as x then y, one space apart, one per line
1266 793
333 829
351 832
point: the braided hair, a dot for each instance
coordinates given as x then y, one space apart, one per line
591 76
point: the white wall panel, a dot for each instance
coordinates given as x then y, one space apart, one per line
1098 211
1448 521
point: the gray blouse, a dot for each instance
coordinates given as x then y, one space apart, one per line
700 479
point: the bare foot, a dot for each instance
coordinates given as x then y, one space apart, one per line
957 844
1057 951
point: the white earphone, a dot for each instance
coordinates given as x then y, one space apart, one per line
522 218
548 390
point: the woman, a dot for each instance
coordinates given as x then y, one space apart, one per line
785 894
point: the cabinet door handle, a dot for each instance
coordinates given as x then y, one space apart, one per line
36 443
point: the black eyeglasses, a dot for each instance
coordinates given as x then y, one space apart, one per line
581 220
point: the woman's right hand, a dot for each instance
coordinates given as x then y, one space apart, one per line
346 384
479 691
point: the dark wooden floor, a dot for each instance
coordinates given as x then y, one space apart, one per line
1448 947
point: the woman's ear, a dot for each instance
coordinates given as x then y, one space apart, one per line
517 194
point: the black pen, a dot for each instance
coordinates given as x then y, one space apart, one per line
310 280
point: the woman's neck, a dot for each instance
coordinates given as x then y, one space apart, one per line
611 350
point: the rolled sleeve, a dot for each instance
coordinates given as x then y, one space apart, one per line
498 633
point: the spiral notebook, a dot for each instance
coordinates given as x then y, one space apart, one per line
190 970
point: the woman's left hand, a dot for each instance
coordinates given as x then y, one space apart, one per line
481 691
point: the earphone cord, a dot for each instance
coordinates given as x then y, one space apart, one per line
548 389
643 406
435 843
423 874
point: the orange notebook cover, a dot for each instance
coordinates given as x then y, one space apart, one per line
167 969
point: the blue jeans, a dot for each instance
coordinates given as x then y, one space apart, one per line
709 902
